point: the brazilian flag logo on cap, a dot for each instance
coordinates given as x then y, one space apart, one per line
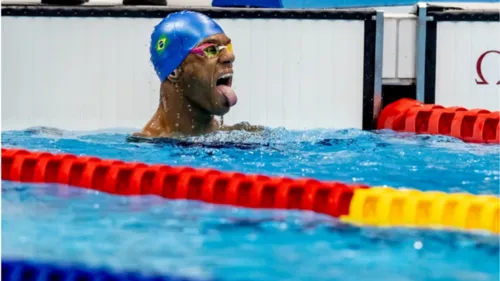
161 44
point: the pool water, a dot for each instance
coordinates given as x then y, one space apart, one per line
150 234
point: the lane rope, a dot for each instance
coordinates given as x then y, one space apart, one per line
353 203
469 125
23 270
389 207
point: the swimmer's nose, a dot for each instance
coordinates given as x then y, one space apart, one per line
227 57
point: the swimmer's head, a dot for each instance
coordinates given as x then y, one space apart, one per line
191 50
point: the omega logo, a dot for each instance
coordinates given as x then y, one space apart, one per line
479 68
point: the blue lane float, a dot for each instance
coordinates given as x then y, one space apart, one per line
22 270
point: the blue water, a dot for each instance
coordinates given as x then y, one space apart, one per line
153 235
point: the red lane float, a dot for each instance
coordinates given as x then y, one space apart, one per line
208 185
473 125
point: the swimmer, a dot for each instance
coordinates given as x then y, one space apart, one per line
193 59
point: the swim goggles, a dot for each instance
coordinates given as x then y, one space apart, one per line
211 50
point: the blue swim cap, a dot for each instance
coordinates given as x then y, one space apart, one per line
175 36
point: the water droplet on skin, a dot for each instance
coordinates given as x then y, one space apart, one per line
177 125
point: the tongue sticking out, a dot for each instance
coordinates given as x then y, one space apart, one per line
229 93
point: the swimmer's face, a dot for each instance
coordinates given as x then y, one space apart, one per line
207 75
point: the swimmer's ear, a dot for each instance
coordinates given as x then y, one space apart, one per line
174 76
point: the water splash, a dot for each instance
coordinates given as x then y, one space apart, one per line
373 158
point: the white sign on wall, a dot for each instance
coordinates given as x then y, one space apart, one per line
468 64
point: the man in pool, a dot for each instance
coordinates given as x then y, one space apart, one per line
193 58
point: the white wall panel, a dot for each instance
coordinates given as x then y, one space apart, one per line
399 47
459 46
92 73
187 3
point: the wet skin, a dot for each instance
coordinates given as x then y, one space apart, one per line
189 99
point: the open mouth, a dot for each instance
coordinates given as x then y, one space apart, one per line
223 86
225 80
